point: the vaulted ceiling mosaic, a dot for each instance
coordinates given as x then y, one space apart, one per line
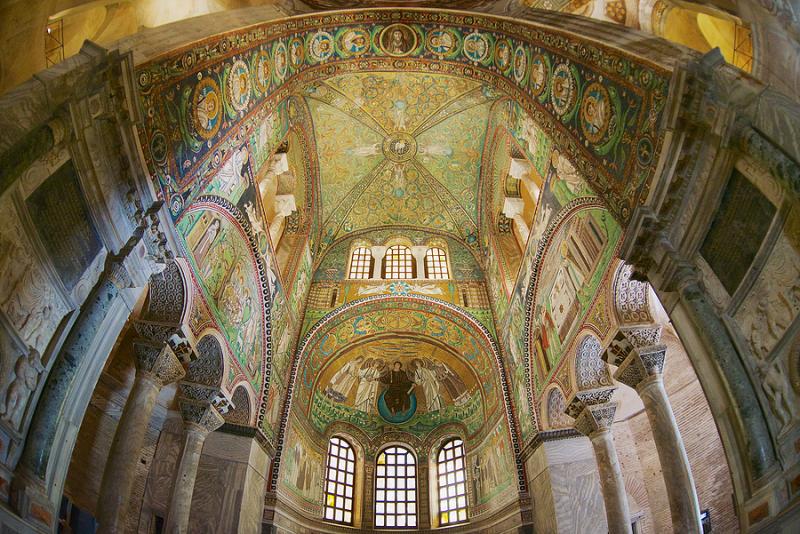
399 149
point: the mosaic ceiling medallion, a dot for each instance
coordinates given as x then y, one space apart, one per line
399 147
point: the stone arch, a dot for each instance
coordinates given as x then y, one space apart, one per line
242 413
168 303
209 366
555 407
631 298
590 370
319 339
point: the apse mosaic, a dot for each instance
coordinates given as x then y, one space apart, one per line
603 105
398 383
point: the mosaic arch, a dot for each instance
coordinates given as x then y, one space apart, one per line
232 279
366 319
601 105
561 286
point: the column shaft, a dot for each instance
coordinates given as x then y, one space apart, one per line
611 482
115 489
180 503
683 502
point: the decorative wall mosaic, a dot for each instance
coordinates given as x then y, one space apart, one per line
600 105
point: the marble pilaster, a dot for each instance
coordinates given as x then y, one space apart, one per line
156 366
641 366
594 414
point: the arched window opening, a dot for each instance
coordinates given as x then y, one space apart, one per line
339 477
452 483
398 263
396 489
436 264
361 263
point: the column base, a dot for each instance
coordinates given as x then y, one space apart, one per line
31 503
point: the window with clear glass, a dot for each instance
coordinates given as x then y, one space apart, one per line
396 489
436 264
452 483
339 475
398 263
361 263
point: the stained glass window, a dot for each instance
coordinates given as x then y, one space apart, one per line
396 489
452 483
436 264
361 263
398 263
339 475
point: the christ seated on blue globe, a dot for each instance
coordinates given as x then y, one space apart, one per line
399 386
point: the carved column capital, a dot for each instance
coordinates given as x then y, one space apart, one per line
201 415
628 340
641 365
157 360
592 410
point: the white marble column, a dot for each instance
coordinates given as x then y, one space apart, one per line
594 415
419 256
641 366
200 418
156 365
378 252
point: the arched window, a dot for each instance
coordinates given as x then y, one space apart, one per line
436 264
361 263
398 263
396 489
452 483
339 482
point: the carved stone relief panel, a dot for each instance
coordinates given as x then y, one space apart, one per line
556 405
28 297
631 298
590 370
773 302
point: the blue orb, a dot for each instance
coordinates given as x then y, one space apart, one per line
396 419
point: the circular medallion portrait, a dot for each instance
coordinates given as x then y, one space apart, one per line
263 71
538 74
320 46
353 42
281 61
398 40
206 108
443 43
595 112
562 93
520 64
237 85
476 47
502 55
296 52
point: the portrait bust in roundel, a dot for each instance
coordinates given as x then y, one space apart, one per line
398 40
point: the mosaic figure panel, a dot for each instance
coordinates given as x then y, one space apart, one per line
398 383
